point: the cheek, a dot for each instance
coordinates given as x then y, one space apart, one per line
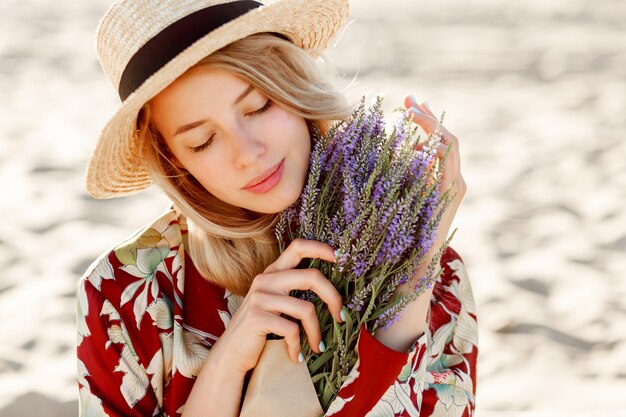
207 171
292 132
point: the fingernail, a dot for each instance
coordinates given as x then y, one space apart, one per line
413 99
322 346
427 106
336 252
416 110
342 314
300 357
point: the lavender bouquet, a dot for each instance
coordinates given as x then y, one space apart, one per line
375 198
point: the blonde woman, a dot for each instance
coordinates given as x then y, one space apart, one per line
218 101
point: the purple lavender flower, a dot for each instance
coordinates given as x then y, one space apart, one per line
369 194
388 318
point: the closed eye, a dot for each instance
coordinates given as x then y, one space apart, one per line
206 144
264 108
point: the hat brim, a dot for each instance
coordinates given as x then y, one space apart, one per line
116 169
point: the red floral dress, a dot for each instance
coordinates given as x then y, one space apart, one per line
146 320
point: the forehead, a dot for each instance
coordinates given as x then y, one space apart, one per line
197 95
219 84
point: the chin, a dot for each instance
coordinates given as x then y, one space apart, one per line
279 201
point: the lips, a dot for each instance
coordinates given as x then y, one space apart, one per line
260 178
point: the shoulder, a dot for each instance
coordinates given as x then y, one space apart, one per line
139 254
142 273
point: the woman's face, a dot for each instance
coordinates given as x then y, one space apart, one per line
227 133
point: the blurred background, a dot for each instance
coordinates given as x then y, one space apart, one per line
535 92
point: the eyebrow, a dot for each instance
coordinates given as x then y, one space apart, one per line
193 125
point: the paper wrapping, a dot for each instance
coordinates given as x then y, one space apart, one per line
280 387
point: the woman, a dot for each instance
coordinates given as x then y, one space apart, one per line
218 100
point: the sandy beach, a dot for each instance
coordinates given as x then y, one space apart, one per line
536 93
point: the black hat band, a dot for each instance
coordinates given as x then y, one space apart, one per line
175 38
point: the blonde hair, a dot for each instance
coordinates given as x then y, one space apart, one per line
230 245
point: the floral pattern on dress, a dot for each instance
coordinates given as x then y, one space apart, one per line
146 321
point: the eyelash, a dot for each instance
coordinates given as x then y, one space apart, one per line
206 144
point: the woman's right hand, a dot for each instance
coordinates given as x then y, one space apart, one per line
260 312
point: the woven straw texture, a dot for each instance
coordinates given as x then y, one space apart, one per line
115 169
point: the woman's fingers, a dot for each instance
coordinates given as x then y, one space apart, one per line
411 101
423 115
311 279
293 307
283 282
424 107
285 328
425 120
298 250
269 297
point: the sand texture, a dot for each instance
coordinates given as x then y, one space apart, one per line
535 92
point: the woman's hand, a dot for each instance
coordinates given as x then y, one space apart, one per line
218 388
423 116
412 322
260 312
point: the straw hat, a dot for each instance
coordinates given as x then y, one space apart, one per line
144 45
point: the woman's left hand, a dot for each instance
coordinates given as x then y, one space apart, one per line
426 119
412 322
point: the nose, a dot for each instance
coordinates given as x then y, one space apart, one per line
246 147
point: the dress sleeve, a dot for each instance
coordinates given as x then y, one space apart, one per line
437 376
111 379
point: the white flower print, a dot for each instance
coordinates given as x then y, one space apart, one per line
225 316
89 404
421 381
440 339
161 364
149 261
135 380
189 351
178 269
82 310
103 270
109 310
234 302
161 314
403 394
338 403
170 232
167 344
453 400
155 368
466 332
387 406
353 375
